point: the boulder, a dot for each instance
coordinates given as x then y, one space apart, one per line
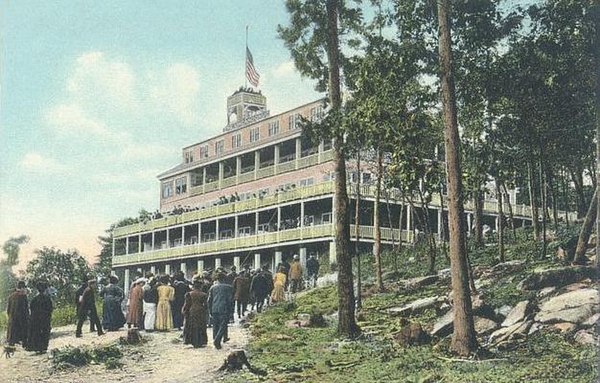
516 331
585 337
577 286
417 306
535 327
444 274
545 292
415 283
565 327
509 267
503 311
443 326
558 277
412 335
574 307
294 323
484 325
518 313
591 321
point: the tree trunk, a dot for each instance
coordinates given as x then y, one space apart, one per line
577 178
377 226
347 326
511 216
500 222
586 230
553 194
478 218
533 200
463 338
357 243
544 203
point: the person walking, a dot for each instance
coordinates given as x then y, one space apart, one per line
194 313
279 280
112 314
295 275
259 286
166 294
78 295
38 334
18 315
241 288
220 303
135 315
181 287
312 270
149 306
87 308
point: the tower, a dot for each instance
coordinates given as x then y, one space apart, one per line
245 106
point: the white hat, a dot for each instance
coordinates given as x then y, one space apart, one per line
296 256
139 280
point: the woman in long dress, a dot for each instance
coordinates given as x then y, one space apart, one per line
136 301
38 333
278 294
194 313
150 300
112 315
164 315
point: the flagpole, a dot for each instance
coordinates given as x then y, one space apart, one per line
246 60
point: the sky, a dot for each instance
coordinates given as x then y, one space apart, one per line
99 97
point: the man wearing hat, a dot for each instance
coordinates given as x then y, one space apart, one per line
87 307
295 275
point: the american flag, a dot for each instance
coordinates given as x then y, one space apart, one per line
251 73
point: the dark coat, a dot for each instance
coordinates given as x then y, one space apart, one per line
195 313
220 299
38 335
260 287
18 317
181 289
112 315
241 287
88 302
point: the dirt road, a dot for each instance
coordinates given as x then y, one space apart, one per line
163 358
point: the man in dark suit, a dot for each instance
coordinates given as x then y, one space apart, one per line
87 307
220 305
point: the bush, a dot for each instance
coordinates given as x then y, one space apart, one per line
69 356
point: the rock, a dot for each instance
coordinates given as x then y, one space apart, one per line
557 277
417 306
327 280
546 291
484 325
585 337
294 323
576 286
564 255
503 311
509 267
565 327
535 327
518 313
443 326
574 307
421 281
444 274
412 335
517 330
591 321
303 317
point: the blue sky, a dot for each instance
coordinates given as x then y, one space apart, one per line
98 97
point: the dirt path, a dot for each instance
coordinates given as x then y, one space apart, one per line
163 358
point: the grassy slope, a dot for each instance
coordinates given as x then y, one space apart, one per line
316 355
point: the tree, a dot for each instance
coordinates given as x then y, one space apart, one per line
463 338
65 271
8 279
313 41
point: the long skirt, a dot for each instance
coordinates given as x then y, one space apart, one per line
112 315
278 294
164 316
149 315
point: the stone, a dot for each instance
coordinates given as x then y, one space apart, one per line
575 307
443 326
576 286
546 291
517 330
565 327
294 323
444 274
484 325
591 321
421 281
517 314
417 306
535 327
509 267
558 277
412 335
327 280
303 317
503 311
585 337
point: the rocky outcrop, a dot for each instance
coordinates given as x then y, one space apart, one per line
444 325
558 277
417 306
575 307
518 314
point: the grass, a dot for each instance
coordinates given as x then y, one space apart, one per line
318 355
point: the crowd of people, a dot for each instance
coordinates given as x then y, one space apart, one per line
160 303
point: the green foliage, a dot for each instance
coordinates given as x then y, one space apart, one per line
65 271
8 279
69 357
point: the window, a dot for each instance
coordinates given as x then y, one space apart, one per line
236 140
273 128
188 156
244 231
254 134
326 218
264 227
167 189
307 182
227 233
181 185
219 147
204 151
326 145
294 121
317 114
209 237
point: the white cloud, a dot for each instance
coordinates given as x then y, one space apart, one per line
176 91
71 118
285 69
97 79
35 162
